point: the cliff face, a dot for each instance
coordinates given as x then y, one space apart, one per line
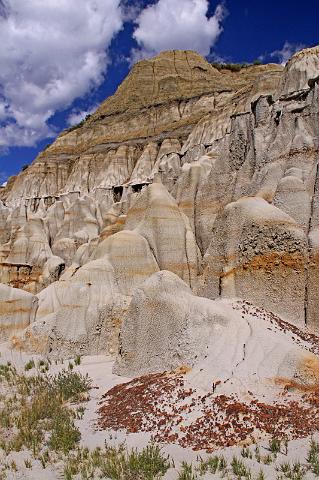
161 99
209 174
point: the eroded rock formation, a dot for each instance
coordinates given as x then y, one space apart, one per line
209 174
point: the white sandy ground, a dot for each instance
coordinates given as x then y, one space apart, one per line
99 368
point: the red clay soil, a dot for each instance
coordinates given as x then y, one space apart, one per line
162 405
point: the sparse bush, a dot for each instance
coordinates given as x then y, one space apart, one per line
235 67
29 365
274 445
65 435
146 465
261 475
187 472
246 453
79 125
71 384
117 463
240 469
28 463
313 457
212 465
77 360
267 460
293 472
36 413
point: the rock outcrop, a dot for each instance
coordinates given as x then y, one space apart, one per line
17 310
259 253
168 327
206 173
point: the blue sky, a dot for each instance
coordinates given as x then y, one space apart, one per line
60 59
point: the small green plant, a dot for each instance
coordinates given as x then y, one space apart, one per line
118 463
28 463
313 457
261 475
267 460
294 472
65 435
77 360
239 469
275 445
29 365
78 125
212 465
80 412
257 454
285 467
246 453
71 384
222 464
187 472
44 458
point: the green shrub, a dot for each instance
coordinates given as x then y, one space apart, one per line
77 360
65 435
240 469
186 472
212 465
235 67
37 412
79 125
275 445
119 464
29 365
71 384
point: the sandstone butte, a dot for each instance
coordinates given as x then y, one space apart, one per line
163 228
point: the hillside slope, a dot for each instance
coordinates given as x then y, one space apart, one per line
207 173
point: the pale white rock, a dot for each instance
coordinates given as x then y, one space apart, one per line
5 226
300 71
17 310
167 327
30 244
258 253
83 311
145 164
184 161
156 216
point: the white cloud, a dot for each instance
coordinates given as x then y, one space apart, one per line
177 24
52 52
76 116
286 52
3 179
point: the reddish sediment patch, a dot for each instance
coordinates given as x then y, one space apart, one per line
165 406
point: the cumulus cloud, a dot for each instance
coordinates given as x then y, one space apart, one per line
3 178
286 52
76 116
51 53
177 24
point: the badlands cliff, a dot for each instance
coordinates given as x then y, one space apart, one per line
189 187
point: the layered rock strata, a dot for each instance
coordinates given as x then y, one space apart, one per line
209 174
